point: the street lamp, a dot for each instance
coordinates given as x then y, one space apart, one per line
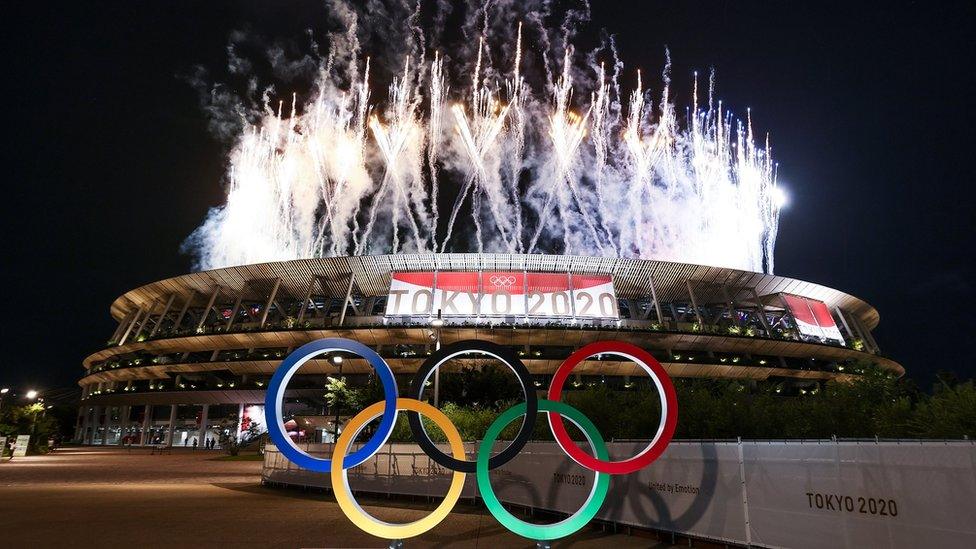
437 324
3 393
337 360
31 395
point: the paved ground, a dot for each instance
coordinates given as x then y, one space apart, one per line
110 498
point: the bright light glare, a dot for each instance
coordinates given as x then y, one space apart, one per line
780 198
32 394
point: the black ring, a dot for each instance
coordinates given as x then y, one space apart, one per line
521 372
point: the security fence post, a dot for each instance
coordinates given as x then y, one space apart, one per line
745 495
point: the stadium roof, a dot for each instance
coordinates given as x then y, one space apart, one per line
632 279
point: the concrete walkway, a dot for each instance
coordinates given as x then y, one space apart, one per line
103 497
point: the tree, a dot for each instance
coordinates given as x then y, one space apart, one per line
949 413
871 403
227 434
30 419
340 396
488 386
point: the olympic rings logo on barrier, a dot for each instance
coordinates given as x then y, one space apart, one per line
556 411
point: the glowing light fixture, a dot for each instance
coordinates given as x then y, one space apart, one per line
437 322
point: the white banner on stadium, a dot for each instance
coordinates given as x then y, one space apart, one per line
501 293
770 494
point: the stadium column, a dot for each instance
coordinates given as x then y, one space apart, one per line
857 329
145 320
124 421
146 424
85 424
308 296
204 419
657 304
348 300
186 307
843 321
132 324
162 315
106 425
96 412
271 298
206 310
761 312
93 424
78 424
172 422
694 304
233 315
730 303
122 326
120 423
869 337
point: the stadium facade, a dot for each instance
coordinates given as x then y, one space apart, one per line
192 350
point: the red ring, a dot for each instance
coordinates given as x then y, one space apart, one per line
669 411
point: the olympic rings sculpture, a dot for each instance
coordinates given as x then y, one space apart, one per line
556 411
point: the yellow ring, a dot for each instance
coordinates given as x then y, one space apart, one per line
340 482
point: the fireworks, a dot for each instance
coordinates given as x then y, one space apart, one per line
479 139
572 168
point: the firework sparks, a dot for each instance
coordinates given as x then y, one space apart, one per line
341 174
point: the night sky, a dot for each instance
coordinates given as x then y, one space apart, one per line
109 164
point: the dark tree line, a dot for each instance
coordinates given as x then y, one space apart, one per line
875 403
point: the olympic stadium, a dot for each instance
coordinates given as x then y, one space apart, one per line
195 348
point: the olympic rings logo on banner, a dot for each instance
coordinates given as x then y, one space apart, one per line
556 411
499 280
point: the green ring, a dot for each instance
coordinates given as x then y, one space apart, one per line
570 524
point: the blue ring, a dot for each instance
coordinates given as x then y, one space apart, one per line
275 397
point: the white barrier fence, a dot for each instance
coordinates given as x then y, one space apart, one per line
764 493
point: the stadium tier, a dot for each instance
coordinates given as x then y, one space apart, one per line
201 346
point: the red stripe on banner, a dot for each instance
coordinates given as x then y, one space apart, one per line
457 282
584 281
548 282
799 309
822 314
425 279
